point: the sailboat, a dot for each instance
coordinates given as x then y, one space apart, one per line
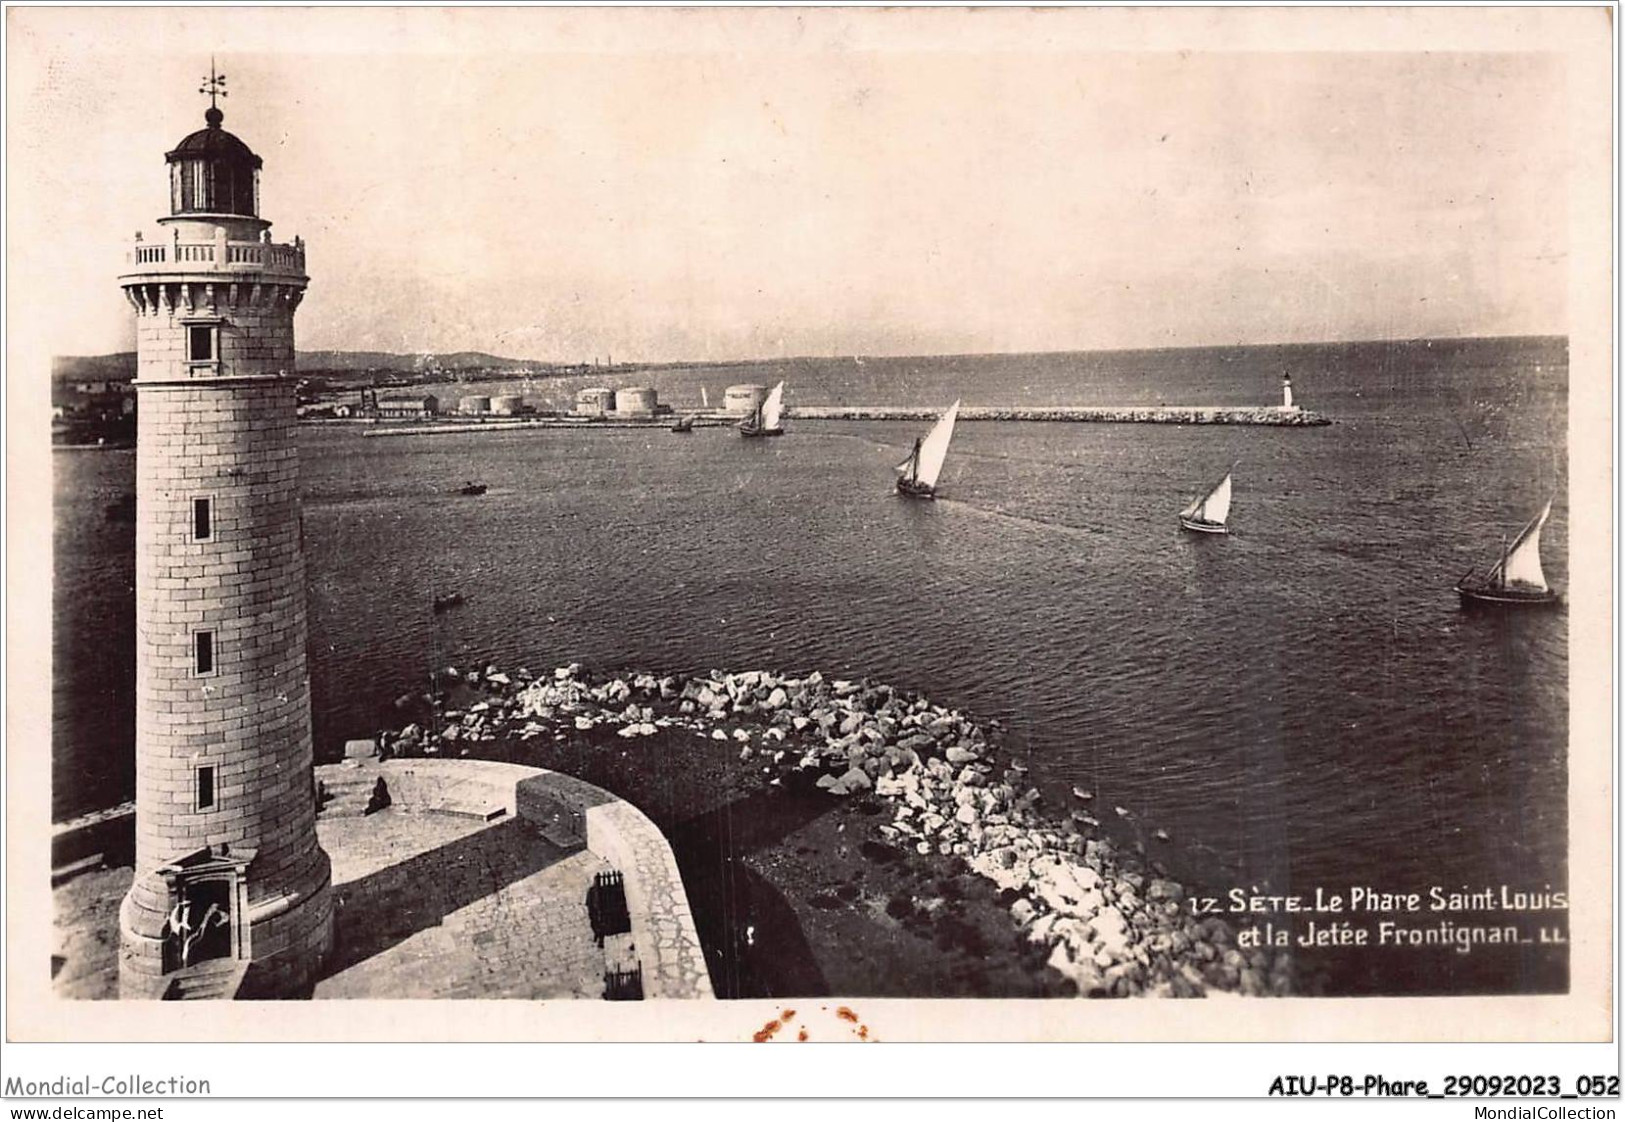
765 420
1207 514
919 472
683 424
1517 577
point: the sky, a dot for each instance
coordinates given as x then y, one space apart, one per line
562 185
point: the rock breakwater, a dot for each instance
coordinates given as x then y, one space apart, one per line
1096 914
1100 414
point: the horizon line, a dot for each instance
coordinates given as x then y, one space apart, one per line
919 355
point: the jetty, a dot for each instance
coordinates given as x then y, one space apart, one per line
1076 414
465 424
1099 414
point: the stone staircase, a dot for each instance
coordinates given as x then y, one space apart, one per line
347 791
215 980
349 788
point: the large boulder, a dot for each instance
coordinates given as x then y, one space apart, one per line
1067 889
857 779
1005 867
1111 932
916 742
854 779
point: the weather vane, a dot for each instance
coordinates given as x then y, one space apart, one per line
214 85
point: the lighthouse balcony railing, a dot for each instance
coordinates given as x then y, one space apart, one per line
224 256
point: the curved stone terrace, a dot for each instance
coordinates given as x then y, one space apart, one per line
474 881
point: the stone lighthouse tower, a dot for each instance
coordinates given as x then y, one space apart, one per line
232 893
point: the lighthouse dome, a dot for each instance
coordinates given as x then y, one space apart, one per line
213 172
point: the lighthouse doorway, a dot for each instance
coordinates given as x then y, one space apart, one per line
206 898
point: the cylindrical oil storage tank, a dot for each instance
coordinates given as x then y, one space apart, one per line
595 401
508 404
743 398
474 405
635 401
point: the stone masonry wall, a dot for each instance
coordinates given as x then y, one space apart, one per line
290 943
255 329
231 441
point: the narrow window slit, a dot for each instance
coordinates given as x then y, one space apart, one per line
205 787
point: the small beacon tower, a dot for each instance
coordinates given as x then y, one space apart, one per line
1286 392
232 893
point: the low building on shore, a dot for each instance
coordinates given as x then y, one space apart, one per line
474 405
408 406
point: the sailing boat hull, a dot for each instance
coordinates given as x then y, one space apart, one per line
1473 596
913 489
755 430
1198 526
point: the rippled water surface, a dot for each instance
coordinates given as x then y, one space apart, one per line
1300 703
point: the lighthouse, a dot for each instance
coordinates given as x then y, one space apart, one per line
1286 392
232 894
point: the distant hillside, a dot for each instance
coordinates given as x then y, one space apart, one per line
94 368
383 360
121 366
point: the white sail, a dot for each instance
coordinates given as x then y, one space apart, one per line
934 448
773 407
705 399
1521 565
1214 506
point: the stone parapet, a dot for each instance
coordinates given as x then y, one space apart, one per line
662 925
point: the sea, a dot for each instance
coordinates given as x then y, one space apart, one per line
1302 704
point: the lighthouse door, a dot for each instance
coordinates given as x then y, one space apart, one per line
199 926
